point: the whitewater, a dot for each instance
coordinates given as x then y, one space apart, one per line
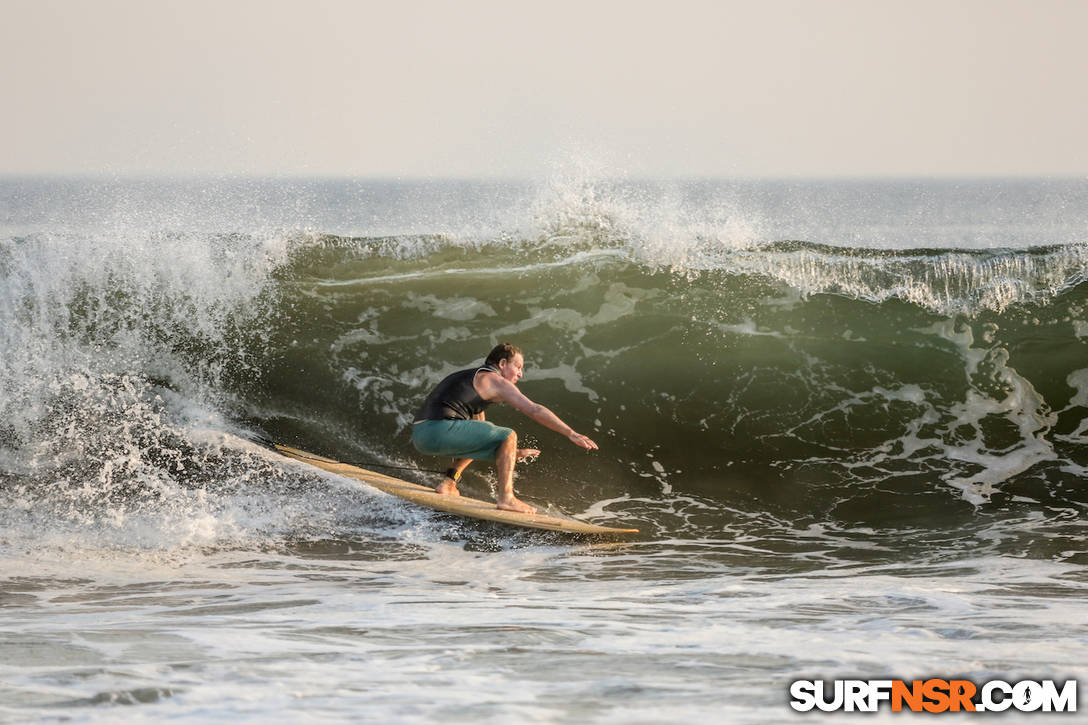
849 418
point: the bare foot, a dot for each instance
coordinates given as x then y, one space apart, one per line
524 453
513 504
448 487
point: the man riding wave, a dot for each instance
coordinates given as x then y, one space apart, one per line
451 423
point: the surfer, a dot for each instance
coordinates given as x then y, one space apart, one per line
451 423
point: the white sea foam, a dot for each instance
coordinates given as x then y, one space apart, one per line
659 231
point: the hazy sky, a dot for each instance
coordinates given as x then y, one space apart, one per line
470 89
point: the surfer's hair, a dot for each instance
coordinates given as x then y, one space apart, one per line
502 351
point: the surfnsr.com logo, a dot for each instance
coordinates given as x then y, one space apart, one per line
933 695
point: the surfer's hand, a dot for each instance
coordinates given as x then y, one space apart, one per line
584 441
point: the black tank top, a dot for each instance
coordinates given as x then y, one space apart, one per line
455 398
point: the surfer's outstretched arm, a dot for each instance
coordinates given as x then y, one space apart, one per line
508 393
548 419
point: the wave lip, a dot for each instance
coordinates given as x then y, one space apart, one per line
944 281
947 282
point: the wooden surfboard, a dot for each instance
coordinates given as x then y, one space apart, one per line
459 505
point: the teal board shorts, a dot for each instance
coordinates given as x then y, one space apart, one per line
476 439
